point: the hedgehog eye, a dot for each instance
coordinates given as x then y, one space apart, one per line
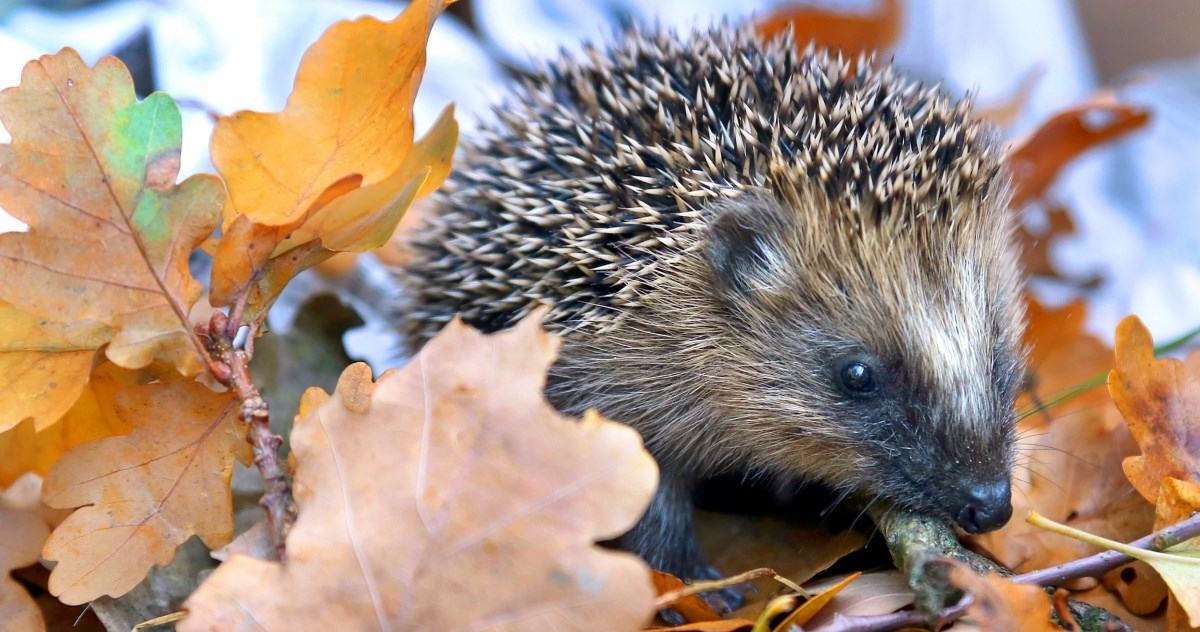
857 377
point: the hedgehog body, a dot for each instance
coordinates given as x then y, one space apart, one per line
763 260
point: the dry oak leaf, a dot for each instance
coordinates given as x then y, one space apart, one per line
44 367
22 533
1037 158
337 168
457 499
999 605
143 494
1160 400
92 171
25 448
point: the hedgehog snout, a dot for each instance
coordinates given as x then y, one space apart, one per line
984 505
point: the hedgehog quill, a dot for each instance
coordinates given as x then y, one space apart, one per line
763 260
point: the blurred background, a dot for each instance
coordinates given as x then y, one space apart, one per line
1136 245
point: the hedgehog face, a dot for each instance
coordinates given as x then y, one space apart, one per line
889 355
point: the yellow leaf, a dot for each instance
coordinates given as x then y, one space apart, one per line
457 496
337 168
93 416
142 495
44 366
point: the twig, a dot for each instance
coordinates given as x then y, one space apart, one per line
276 500
668 598
1100 563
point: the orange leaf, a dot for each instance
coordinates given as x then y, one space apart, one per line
43 366
809 609
92 172
457 496
337 168
999 605
1036 159
22 532
142 495
93 416
691 607
1160 400
840 31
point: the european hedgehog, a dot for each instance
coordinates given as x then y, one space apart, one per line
765 260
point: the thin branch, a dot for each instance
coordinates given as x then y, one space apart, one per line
897 620
1101 563
233 372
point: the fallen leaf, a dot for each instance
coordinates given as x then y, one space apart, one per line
691 607
92 171
93 416
143 494
1160 400
337 168
22 532
460 497
1000 605
1037 158
44 366
812 607
850 33
872 594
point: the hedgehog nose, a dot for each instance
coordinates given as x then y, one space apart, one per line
988 507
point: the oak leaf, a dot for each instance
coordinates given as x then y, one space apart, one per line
44 366
93 416
22 533
456 496
91 171
143 494
336 169
1160 400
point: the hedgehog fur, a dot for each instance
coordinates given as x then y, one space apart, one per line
729 232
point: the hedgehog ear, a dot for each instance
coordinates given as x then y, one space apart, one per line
743 251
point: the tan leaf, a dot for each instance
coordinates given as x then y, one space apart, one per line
460 498
142 495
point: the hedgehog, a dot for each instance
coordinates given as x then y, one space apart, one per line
768 260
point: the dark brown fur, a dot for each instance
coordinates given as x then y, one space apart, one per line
721 226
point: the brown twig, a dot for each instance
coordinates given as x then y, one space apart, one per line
233 372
